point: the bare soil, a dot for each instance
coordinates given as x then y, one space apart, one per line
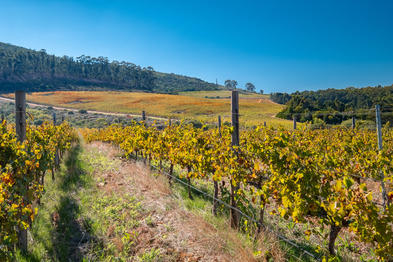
179 234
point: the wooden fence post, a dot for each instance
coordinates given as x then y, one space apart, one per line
143 115
235 143
379 134
353 122
20 125
57 158
215 202
379 126
294 122
219 125
264 123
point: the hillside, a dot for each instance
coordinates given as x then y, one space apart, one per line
334 106
136 192
38 71
200 106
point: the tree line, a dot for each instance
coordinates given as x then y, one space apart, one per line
232 85
39 71
334 106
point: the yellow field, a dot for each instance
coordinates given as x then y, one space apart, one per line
221 94
253 110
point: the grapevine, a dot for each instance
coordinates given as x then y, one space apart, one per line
318 175
23 166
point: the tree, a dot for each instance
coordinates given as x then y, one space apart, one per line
228 84
250 87
234 84
39 71
261 91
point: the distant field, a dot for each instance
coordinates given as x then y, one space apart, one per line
221 94
190 105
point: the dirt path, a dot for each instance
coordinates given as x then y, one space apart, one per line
180 235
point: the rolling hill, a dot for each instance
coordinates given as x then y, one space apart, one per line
196 106
39 71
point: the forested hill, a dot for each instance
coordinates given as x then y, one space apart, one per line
336 105
38 71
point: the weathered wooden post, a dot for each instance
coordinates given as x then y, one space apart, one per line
219 125
171 163
20 125
57 159
379 126
235 118
235 143
294 122
353 122
143 115
189 183
264 123
215 202
54 118
379 134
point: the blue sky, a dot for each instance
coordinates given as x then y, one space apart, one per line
280 46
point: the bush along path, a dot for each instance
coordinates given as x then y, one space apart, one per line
104 208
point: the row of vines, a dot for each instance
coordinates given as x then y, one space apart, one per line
23 167
330 177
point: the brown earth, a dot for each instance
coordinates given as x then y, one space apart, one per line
183 235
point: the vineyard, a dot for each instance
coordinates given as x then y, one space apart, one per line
23 167
331 185
196 131
335 179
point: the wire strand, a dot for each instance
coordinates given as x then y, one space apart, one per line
243 214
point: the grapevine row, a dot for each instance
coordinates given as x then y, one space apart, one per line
318 175
23 167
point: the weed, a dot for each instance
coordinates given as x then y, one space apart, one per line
153 255
149 221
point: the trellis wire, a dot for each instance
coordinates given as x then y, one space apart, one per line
283 238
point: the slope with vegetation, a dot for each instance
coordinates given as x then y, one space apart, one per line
254 108
103 207
325 183
38 71
78 118
334 106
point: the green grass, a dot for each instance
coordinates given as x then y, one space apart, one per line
75 215
79 221
56 228
201 205
153 255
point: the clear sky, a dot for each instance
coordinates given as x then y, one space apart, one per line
280 46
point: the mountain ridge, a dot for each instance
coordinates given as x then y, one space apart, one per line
34 70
